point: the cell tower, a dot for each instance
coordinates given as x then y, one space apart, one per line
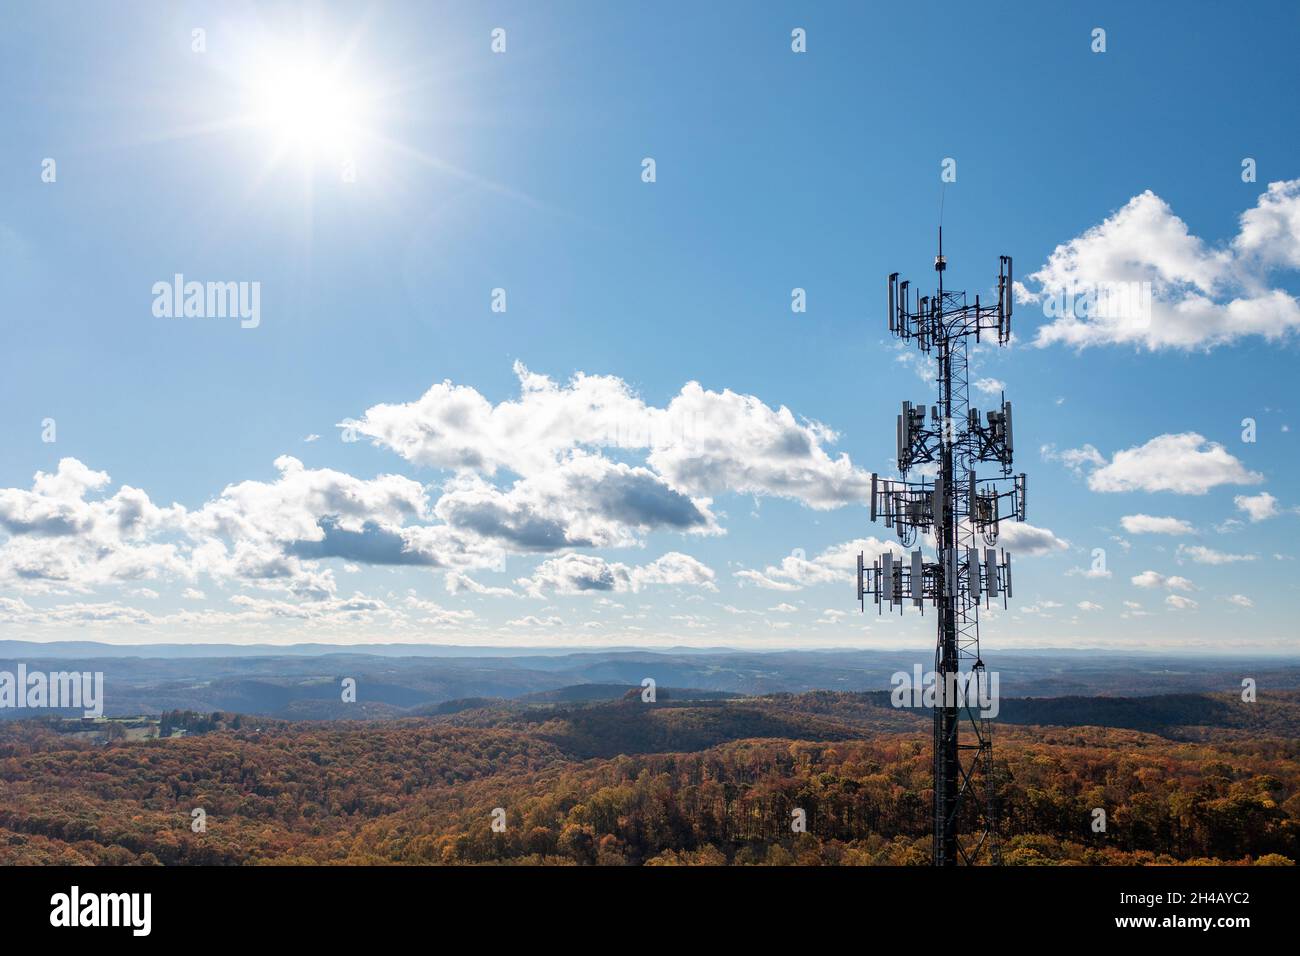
961 511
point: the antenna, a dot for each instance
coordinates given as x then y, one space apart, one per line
964 513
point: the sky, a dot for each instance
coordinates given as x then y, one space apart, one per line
519 360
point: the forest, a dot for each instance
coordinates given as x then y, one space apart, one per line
678 782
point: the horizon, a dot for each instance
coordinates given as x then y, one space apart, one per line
522 650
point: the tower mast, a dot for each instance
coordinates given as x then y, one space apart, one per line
957 508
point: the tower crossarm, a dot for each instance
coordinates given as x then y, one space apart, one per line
928 320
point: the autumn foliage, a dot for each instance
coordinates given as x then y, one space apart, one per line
695 783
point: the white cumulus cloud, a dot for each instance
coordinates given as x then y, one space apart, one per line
584 573
1151 524
1185 463
1258 507
701 443
1185 293
1154 579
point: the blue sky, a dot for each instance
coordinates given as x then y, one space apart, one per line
522 171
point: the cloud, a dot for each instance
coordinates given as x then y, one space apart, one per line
60 541
332 610
765 581
532 620
78 614
701 443
736 443
435 615
290 508
529 476
1149 524
1258 507
1027 539
837 564
1240 600
674 569
274 533
454 427
1180 603
371 543
1142 278
1271 231
270 534
1077 460
990 386
1042 607
1088 606
343 613
1097 571
457 582
582 573
1204 555
584 501
1153 579
1186 464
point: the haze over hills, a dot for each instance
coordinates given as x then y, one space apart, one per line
301 684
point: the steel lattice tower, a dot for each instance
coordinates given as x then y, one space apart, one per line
958 509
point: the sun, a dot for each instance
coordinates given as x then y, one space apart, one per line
309 109
314 112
